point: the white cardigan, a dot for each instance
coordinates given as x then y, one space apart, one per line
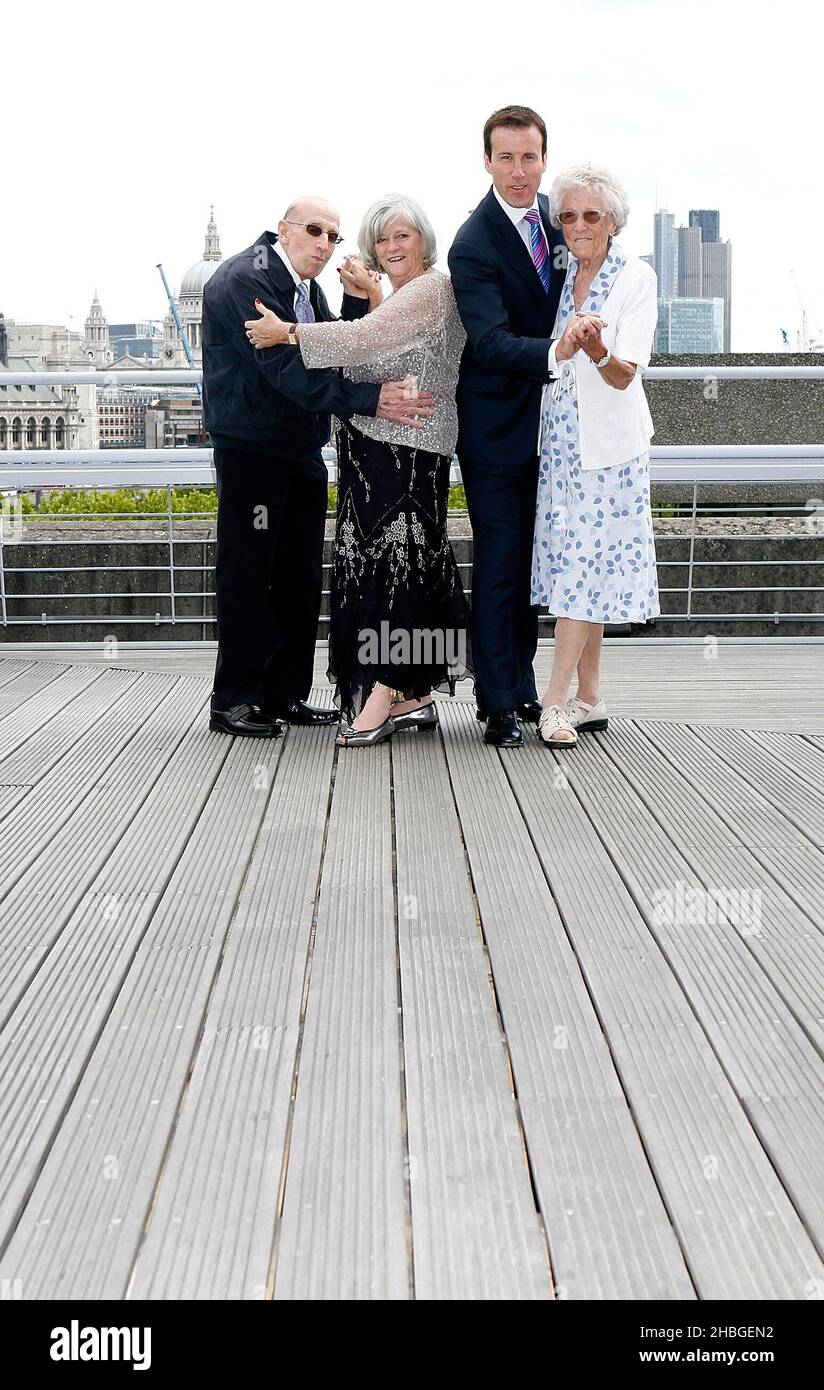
615 426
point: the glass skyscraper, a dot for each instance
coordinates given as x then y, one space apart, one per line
709 220
694 269
688 325
666 254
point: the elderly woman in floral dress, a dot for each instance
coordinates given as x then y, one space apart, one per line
399 619
593 552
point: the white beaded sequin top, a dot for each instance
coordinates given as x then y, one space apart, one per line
415 332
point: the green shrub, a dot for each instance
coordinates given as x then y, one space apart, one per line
73 501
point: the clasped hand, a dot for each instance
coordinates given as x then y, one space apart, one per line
582 331
357 280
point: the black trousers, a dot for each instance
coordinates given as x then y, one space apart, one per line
268 576
501 504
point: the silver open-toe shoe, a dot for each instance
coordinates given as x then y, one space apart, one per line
425 719
350 737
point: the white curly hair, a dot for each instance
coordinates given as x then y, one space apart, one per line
600 182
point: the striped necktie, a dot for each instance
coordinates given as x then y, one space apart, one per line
304 313
540 254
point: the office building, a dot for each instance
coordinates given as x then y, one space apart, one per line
121 413
690 325
709 220
666 254
716 280
140 342
689 263
175 421
693 264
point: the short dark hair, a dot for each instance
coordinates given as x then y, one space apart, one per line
513 118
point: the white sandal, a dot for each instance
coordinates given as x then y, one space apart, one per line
555 720
587 719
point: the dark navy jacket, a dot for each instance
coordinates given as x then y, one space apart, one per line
508 317
267 401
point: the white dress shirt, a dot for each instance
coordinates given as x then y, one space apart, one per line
276 246
517 217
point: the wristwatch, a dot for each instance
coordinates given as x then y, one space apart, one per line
290 337
604 360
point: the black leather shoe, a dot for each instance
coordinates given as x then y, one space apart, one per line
502 729
529 712
298 712
247 721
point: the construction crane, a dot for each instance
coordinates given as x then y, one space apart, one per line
804 338
181 331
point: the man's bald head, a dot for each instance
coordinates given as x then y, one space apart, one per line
308 254
310 207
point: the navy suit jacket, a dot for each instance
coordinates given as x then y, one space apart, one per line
267 401
508 317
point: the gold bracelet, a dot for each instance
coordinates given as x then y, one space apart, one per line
398 696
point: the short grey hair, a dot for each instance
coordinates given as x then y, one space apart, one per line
598 181
385 211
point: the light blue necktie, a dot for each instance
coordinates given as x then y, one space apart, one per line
304 313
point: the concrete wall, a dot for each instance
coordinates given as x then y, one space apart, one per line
741 412
134 592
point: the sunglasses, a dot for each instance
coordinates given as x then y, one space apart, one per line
591 217
314 229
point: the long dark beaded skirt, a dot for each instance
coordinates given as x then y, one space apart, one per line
398 613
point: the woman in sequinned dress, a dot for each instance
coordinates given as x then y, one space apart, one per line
399 621
593 551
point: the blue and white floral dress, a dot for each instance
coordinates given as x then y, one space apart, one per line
593 552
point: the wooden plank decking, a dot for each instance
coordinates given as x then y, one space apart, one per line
422 1021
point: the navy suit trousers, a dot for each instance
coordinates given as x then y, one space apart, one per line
268 576
501 503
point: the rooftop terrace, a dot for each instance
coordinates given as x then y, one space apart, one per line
421 1021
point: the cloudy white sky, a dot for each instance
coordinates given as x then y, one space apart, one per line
123 122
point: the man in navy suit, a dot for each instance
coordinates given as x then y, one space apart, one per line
269 418
508 266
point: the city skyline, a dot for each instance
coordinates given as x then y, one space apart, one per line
677 110
678 257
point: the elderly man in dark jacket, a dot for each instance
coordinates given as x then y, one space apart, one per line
269 419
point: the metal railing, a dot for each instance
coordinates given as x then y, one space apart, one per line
24 470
